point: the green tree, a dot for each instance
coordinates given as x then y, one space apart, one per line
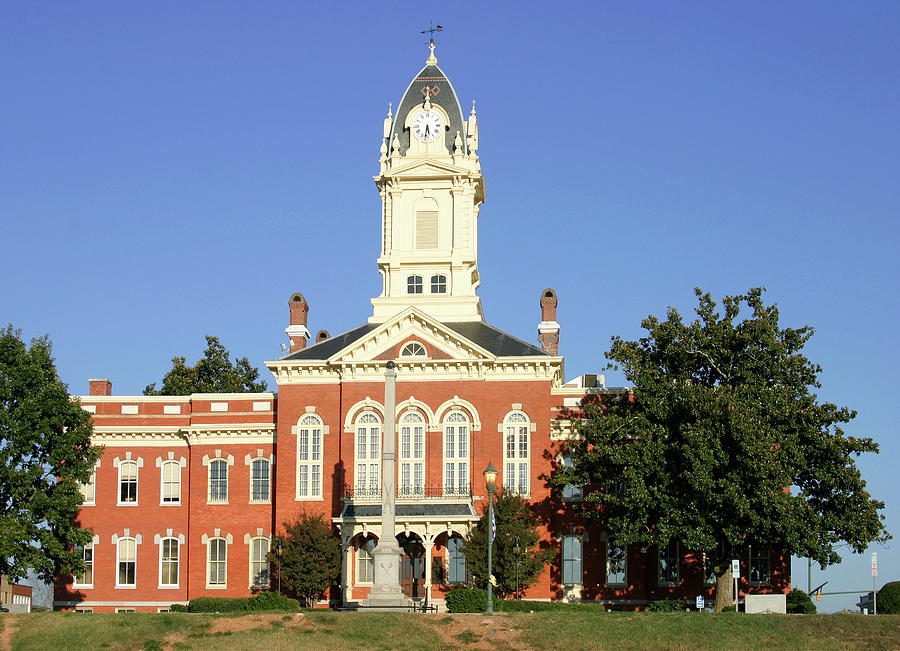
45 454
799 603
311 559
889 599
722 444
213 373
514 520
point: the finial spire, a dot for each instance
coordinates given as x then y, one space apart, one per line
432 28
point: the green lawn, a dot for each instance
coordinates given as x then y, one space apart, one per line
578 629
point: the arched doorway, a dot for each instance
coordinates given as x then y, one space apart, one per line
412 565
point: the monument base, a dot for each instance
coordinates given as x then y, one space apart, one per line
386 591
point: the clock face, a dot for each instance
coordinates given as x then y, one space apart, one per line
428 125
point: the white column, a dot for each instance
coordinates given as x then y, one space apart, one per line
347 576
429 546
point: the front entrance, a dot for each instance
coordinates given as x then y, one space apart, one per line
412 566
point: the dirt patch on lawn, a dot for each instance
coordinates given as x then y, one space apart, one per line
477 631
236 624
10 624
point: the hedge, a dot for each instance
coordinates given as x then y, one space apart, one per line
474 600
260 602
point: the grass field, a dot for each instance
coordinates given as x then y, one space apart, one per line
546 630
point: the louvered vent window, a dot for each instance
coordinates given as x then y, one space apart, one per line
426 229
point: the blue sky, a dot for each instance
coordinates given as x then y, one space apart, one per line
171 169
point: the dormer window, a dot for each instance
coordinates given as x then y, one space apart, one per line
439 284
413 349
414 285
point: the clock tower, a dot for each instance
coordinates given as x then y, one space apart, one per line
431 190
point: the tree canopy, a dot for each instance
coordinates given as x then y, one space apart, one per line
45 456
311 558
514 520
722 443
213 373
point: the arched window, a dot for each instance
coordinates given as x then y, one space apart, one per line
128 482
218 481
217 561
516 453
456 561
309 458
413 349
259 562
259 480
412 454
171 482
126 560
456 454
365 560
168 562
368 455
426 223
439 284
414 284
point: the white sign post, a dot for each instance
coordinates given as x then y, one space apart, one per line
874 583
700 602
735 573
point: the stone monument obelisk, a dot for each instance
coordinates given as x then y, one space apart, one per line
386 591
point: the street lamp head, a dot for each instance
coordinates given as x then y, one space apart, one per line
517 548
279 547
490 477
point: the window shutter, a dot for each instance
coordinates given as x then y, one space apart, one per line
426 229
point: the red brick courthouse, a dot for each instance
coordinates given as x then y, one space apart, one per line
190 490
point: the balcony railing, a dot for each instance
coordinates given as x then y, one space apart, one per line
409 493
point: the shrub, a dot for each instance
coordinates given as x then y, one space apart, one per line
513 606
661 606
216 605
262 601
799 603
179 608
889 599
272 601
467 600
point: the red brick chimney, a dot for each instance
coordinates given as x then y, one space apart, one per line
102 387
548 328
297 330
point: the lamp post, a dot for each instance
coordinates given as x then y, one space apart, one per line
279 550
517 550
490 476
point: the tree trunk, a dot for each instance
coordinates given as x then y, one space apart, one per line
724 586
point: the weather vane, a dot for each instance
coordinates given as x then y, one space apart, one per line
432 28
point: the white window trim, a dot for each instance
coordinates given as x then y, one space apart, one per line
456 460
137 481
224 584
357 560
209 500
169 586
123 611
624 581
91 545
412 459
92 481
562 559
310 463
126 586
268 499
579 494
251 583
367 460
528 426
162 482
669 584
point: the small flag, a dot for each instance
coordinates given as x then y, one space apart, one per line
493 526
493 580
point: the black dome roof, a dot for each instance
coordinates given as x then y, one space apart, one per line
445 97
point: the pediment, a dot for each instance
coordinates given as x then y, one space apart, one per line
427 168
439 340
